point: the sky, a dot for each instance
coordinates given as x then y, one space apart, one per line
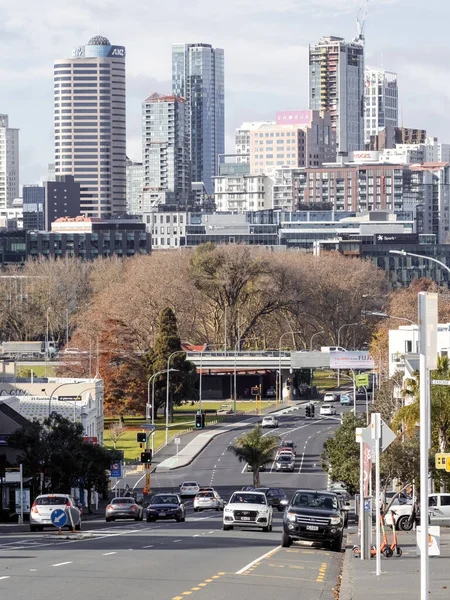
266 57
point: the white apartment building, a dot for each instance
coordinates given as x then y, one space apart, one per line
135 183
380 101
9 163
167 228
242 139
242 193
90 125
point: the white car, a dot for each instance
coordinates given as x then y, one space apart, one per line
189 488
45 504
284 452
269 422
329 397
285 462
248 509
205 500
327 409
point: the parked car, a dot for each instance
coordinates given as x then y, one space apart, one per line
274 496
250 468
269 421
327 409
166 506
124 508
401 514
248 509
314 516
204 500
189 488
43 506
329 397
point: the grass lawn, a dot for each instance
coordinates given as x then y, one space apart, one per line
241 406
325 379
38 371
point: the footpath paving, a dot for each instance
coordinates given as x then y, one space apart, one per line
400 576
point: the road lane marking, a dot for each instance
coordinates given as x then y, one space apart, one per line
68 562
108 553
6 577
257 560
195 589
175 541
202 584
151 546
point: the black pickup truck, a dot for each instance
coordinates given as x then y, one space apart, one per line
315 516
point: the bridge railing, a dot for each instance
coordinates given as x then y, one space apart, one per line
245 353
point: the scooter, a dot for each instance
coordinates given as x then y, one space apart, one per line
394 546
384 546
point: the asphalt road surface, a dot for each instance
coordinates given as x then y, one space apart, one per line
196 559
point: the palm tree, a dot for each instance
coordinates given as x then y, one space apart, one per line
255 449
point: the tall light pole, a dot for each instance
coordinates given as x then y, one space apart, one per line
167 391
46 341
310 349
425 300
57 388
339 344
151 406
280 380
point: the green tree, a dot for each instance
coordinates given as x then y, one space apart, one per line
255 449
95 460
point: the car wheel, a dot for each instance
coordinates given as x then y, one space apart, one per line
280 509
183 519
78 527
137 518
270 527
217 508
34 528
336 545
265 529
404 523
149 520
178 519
286 541
227 527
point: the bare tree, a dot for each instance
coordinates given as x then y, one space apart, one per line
115 432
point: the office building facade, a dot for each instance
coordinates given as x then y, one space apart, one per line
135 185
62 199
242 193
336 84
165 146
90 124
198 77
380 101
33 207
9 163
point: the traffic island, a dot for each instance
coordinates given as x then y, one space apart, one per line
79 535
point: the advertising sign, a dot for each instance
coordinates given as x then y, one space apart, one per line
294 117
367 468
395 238
365 156
25 501
118 51
434 540
351 360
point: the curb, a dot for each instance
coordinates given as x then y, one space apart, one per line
346 589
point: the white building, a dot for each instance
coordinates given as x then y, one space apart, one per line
242 193
90 125
242 139
380 101
167 228
9 163
135 183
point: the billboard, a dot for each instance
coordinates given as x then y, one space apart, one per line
395 238
351 360
118 51
365 156
294 117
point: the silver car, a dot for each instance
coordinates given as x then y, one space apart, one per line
45 504
205 500
124 508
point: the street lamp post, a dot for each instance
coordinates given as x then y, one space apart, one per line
339 344
280 380
310 349
151 406
167 391
56 389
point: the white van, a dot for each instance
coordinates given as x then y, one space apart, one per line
332 349
439 509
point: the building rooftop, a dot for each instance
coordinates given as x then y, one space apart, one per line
98 40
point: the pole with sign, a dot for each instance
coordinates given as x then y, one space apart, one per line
360 441
177 444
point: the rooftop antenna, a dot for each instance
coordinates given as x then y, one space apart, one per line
361 23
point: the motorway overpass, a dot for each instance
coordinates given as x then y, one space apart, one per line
270 360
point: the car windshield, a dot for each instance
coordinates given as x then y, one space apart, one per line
315 500
51 500
189 484
285 458
164 500
326 406
288 444
248 499
205 495
122 501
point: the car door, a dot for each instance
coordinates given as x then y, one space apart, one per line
444 508
434 510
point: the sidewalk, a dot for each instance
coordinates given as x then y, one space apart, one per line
400 576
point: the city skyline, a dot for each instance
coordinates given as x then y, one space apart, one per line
264 47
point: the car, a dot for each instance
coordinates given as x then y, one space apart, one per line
285 462
124 508
206 489
345 400
327 409
250 468
270 392
274 496
204 500
401 514
247 488
166 506
189 488
284 452
248 509
290 444
329 397
43 506
314 516
269 421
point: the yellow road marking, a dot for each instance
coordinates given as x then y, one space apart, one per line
202 584
195 589
216 577
187 593
279 577
208 580
222 573
178 598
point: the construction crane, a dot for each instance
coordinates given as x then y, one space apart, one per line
361 23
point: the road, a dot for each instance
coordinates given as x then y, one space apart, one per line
195 559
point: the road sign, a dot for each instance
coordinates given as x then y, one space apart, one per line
116 469
177 441
362 380
69 398
386 438
440 382
440 460
447 464
59 517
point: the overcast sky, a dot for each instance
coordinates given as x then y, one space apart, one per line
266 56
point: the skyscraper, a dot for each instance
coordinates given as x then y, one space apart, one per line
165 146
135 184
336 84
380 101
9 163
90 127
198 76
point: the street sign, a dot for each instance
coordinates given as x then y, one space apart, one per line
116 469
447 464
362 380
386 438
440 460
440 382
177 441
69 398
59 517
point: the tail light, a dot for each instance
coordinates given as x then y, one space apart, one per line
67 504
34 508
108 507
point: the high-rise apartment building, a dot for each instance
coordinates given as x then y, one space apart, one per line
135 185
90 125
336 84
33 207
165 146
9 163
198 76
62 199
380 101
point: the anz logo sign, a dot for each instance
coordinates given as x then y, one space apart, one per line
117 51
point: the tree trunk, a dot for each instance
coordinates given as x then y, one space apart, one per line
256 481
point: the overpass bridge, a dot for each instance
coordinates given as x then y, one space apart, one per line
269 360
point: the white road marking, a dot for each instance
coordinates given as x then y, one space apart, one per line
108 553
151 546
5 577
256 561
196 535
175 541
68 562
34 570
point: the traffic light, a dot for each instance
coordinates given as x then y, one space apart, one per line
146 457
313 410
141 437
199 421
308 410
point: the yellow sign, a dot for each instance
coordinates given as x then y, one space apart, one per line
442 461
